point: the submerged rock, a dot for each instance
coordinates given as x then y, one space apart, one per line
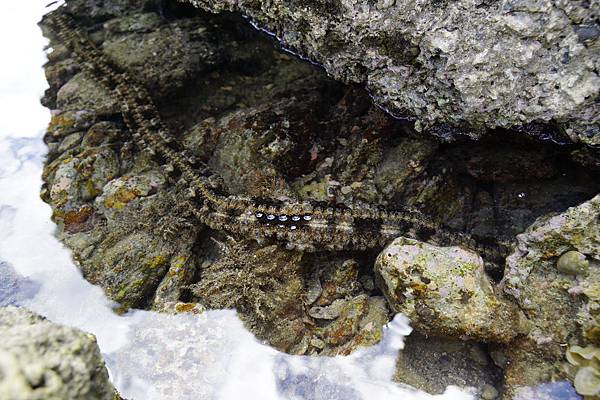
456 67
328 315
433 363
42 360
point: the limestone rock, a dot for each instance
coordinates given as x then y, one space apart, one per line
457 66
445 291
42 360
562 308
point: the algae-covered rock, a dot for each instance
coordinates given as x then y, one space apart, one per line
80 93
572 262
458 66
266 124
42 360
558 301
562 308
269 288
445 291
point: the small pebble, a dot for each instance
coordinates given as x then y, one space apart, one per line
346 189
488 392
572 263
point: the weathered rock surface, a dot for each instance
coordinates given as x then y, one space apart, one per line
271 126
445 291
455 67
552 297
41 360
560 298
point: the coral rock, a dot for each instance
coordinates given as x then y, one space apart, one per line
444 290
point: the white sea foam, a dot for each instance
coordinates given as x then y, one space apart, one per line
149 355
157 356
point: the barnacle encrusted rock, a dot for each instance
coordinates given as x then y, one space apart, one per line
43 360
444 290
457 66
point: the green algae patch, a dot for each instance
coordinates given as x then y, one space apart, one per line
157 262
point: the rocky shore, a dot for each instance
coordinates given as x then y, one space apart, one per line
270 125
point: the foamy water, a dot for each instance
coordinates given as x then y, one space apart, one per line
149 355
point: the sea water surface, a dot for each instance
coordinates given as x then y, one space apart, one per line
149 355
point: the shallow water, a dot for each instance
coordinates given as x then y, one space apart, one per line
149 355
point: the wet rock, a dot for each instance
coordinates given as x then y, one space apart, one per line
265 284
585 369
573 263
105 9
268 125
358 324
446 64
82 94
433 363
143 247
563 308
444 290
183 52
43 360
488 392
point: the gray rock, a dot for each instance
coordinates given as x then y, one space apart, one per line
562 308
433 363
183 52
41 360
456 66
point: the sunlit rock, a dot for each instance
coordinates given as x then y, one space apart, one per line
43 360
444 290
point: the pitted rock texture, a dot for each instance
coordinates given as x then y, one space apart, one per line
453 66
445 290
271 126
42 360
554 276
